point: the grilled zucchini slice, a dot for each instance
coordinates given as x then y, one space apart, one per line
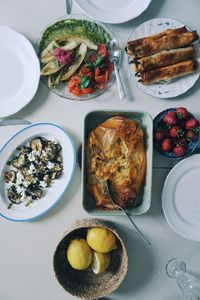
13 196
19 161
10 176
37 144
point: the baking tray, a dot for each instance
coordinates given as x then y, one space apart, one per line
143 201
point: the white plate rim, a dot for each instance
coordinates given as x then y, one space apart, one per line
94 14
147 88
70 179
169 220
29 47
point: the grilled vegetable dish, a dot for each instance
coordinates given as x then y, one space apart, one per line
75 52
34 168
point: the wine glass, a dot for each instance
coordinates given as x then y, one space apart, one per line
188 284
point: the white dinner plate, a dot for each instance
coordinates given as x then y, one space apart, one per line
20 212
181 198
177 86
113 11
20 71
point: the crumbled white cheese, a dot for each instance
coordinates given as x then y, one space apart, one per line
23 195
50 165
26 183
43 184
32 169
20 189
31 156
20 178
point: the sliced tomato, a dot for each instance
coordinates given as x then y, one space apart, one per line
92 57
90 74
70 89
107 55
100 79
107 75
74 81
101 50
87 90
109 66
100 86
77 92
97 72
84 70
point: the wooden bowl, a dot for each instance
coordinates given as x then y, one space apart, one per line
85 284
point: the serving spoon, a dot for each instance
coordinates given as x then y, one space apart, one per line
110 192
115 56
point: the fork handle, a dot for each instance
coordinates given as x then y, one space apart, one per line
141 234
122 94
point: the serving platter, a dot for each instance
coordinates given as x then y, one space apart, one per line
180 198
20 71
113 12
162 90
105 35
20 212
143 201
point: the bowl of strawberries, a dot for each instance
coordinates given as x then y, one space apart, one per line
176 133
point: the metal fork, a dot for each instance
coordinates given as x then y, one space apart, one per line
68 7
13 121
109 190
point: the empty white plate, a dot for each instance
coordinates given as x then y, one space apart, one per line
181 198
20 71
113 11
20 212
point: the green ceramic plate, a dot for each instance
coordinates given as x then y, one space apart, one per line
143 201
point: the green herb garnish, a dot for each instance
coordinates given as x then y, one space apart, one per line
9 205
85 81
97 63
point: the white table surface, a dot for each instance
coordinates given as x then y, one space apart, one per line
26 249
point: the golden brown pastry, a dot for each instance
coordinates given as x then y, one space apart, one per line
164 58
116 152
168 72
157 36
165 43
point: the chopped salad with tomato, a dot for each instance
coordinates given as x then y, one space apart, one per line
93 73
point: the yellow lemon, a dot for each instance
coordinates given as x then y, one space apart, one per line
79 254
100 262
101 239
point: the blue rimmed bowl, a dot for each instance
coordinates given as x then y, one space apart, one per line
158 123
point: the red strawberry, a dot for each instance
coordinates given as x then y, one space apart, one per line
170 118
167 145
182 113
179 150
177 132
191 123
159 136
183 142
191 135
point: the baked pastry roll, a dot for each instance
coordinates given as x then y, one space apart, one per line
164 58
154 37
116 153
169 72
165 43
